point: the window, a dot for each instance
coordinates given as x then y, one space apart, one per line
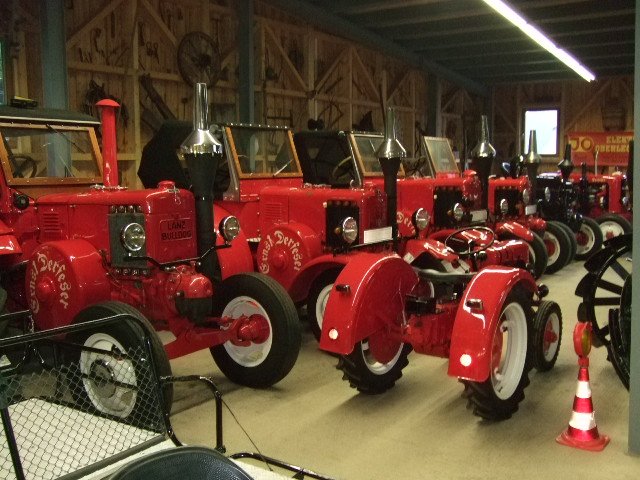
545 123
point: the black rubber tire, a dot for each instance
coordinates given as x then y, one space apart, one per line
325 279
620 330
571 235
286 337
358 372
130 336
544 357
591 228
538 256
482 397
623 223
558 236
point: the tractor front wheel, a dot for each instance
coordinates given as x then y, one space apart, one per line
117 382
547 335
613 225
558 247
266 360
317 301
375 364
498 397
589 238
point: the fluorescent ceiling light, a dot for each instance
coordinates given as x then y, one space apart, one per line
537 36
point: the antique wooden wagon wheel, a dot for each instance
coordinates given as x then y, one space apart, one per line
199 59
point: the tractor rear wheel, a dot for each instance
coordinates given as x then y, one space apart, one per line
498 397
571 235
258 364
613 225
558 246
112 384
365 368
547 335
317 301
589 238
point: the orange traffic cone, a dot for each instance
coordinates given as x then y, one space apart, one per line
582 431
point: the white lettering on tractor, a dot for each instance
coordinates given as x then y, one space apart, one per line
285 241
43 264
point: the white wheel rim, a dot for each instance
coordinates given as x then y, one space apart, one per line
553 258
255 353
101 371
505 377
590 236
374 366
552 324
321 304
611 229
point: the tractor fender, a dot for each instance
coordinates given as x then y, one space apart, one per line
237 258
414 248
514 229
285 249
62 278
474 328
537 224
368 295
9 244
301 283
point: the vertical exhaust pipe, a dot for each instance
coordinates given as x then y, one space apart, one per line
566 165
202 153
482 158
532 162
389 154
109 144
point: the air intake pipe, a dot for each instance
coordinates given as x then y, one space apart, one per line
390 153
202 153
532 162
482 158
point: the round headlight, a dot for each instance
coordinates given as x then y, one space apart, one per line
504 206
547 194
625 201
420 219
526 196
349 229
229 228
458 212
133 237
602 202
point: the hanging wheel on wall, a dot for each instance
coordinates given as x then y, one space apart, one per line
199 59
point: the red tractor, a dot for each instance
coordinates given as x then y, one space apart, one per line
76 247
380 308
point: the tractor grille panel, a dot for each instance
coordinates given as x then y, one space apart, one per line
445 200
510 195
336 213
273 213
51 226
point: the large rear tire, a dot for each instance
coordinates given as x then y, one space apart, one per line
571 235
558 247
264 363
366 373
613 225
589 238
112 384
499 397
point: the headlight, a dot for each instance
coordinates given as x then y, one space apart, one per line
526 196
349 230
420 219
229 228
547 194
504 206
133 237
458 212
625 201
602 202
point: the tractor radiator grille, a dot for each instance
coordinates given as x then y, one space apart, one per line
51 227
273 213
337 211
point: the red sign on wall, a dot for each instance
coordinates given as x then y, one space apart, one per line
613 147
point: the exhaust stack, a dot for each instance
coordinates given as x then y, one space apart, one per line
482 158
566 165
202 153
389 154
532 162
109 144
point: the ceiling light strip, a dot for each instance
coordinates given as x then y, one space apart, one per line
540 38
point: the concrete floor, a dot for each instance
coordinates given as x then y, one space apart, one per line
420 428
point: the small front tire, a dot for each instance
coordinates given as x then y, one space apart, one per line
317 301
264 363
589 238
613 225
547 335
558 245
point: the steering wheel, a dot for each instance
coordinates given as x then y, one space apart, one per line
472 249
27 168
343 167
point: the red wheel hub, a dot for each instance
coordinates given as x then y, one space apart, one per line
383 347
551 247
550 336
581 238
255 329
